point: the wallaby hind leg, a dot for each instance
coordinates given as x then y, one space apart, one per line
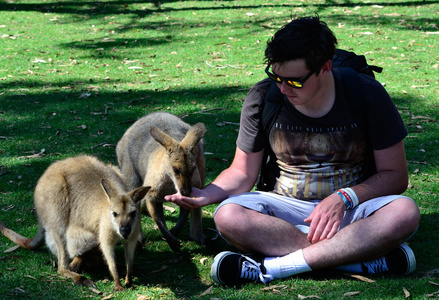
196 227
181 221
155 209
195 224
76 264
63 263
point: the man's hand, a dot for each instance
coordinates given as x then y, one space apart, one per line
326 218
197 199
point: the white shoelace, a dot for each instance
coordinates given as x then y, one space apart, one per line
376 266
251 269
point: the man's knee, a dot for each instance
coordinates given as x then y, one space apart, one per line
407 214
225 216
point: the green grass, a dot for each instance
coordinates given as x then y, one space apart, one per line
75 75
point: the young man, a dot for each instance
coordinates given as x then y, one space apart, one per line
338 170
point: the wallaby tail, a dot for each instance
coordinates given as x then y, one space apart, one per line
26 243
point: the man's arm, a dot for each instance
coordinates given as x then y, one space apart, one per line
391 179
240 177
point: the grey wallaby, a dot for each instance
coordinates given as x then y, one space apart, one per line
166 153
82 205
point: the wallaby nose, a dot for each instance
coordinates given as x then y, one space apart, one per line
186 190
125 231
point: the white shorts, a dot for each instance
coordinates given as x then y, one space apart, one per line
295 211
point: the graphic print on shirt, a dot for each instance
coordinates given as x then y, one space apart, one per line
314 162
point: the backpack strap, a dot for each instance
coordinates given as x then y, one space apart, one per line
270 109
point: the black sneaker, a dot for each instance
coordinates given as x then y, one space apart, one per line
399 261
234 269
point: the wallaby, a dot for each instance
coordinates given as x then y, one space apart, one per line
83 204
160 149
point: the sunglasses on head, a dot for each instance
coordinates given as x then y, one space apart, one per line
296 83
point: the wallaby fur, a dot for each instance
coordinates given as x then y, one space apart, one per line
83 204
160 149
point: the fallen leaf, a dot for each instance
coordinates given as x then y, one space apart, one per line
96 291
164 267
431 273
9 207
20 290
432 294
351 294
107 297
204 260
169 208
406 292
308 297
84 95
12 249
273 287
360 277
208 291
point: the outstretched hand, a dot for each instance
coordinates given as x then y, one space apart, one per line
197 199
326 218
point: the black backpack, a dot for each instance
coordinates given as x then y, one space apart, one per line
348 63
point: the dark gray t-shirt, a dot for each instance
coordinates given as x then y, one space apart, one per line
316 156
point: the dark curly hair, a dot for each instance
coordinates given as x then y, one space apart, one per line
308 38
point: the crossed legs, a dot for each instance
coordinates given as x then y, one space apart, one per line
365 239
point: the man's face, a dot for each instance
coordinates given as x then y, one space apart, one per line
296 69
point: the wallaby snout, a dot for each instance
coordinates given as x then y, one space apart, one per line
125 231
163 151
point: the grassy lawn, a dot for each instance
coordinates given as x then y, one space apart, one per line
75 75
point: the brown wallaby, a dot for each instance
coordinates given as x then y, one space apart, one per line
83 204
163 151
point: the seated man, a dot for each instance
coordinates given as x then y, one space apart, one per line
334 178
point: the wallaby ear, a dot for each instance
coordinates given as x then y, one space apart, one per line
139 193
164 139
106 186
193 136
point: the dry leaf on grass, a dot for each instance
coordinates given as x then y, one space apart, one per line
169 208
274 287
432 294
206 292
204 260
360 277
431 273
12 249
406 292
164 267
308 297
349 294
96 291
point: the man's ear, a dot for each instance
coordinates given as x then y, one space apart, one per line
327 66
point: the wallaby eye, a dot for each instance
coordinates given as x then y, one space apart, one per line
176 171
114 214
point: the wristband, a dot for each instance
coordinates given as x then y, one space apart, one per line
349 198
353 196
